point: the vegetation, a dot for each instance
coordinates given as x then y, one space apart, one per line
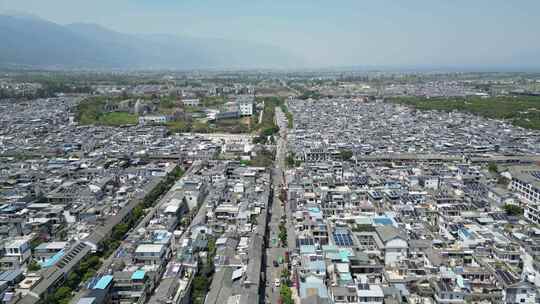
213 101
523 111
503 181
345 154
117 119
33 266
268 125
291 160
90 112
492 167
289 116
90 264
264 158
286 294
310 94
82 273
234 125
282 234
203 279
513 210
286 276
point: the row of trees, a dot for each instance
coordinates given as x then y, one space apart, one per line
90 264
519 110
203 279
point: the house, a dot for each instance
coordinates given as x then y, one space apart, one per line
501 196
130 287
370 293
313 286
521 292
45 251
394 244
150 254
18 249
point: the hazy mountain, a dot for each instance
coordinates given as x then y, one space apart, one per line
30 41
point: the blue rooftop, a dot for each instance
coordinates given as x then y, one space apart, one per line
52 260
385 221
307 249
138 275
103 282
466 233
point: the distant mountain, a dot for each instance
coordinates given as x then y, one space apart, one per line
33 42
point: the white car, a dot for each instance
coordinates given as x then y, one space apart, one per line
277 282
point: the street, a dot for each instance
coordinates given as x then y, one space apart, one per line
275 252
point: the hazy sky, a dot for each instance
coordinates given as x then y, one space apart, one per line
330 33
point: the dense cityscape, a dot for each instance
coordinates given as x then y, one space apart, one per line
269 187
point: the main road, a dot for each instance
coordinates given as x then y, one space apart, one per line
275 251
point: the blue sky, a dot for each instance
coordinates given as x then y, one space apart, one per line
331 33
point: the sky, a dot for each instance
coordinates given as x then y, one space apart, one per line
453 33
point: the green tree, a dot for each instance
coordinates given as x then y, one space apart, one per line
62 293
492 167
33 266
73 280
345 154
119 231
513 210
286 294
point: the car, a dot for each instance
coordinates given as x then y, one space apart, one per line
275 263
277 282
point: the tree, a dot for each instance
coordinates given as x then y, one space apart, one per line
33 266
62 293
119 231
492 167
73 280
290 160
513 210
286 295
345 154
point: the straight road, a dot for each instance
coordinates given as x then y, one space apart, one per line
274 251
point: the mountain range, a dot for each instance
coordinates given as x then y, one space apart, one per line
28 41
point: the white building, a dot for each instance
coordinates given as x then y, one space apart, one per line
18 248
153 119
526 185
246 106
370 293
192 102
395 245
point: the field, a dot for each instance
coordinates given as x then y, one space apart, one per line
91 112
118 119
523 111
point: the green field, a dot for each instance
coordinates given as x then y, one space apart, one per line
523 111
118 119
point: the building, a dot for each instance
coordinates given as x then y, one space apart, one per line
521 292
246 105
45 251
227 115
19 249
153 119
526 185
192 102
150 254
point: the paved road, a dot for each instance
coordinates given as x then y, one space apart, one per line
274 250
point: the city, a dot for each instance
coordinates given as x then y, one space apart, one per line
269 152
153 194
